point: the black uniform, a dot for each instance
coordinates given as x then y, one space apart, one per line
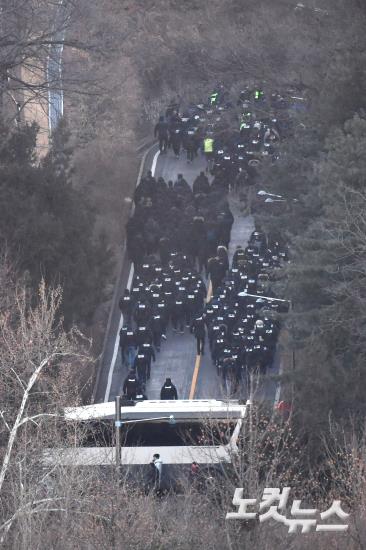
127 342
201 184
168 391
198 329
216 270
143 335
239 258
141 365
178 315
148 350
125 305
156 325
130 385
161 131
176 141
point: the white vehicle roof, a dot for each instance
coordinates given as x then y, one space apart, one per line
134 456
182 410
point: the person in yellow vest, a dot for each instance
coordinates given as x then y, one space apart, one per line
213 98
208 149
258 94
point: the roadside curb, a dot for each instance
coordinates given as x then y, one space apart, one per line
117 285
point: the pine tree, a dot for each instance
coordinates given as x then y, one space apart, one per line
48 224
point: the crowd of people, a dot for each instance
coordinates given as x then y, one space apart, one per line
256 124
241 328
178 239
172 239
173 217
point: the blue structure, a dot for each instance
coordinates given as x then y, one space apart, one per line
54 77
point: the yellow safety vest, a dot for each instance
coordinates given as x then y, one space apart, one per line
213 97
208 145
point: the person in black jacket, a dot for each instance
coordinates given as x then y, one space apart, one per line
147 350
169 391
178 315
156 325
125 305
130 385
141 365
161 131
223 255
216 270
239 259
127 343
176 141
201 184
198 329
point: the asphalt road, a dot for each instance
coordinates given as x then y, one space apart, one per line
177 358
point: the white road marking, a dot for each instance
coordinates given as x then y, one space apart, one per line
129 283
155 160
116 343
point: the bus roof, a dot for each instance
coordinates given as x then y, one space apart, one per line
182 410
106 456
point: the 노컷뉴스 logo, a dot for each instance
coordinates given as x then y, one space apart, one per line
274 506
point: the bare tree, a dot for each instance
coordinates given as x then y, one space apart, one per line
33 37
37 377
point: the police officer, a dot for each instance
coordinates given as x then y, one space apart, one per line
244 96
189 145
191 306
168 391
156 325
176 141
148 350
127 343
226 221
223 255
198 329
214 97
161 131
141 366
239 259
178 314
216 270
142 314
181 185
143 335
130 385
201 184
258 240
258 94
125 305
162 310
218 346
208 149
